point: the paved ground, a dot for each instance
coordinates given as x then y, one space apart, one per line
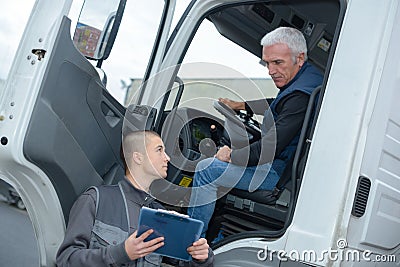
18 246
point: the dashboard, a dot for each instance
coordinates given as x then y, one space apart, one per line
202 128
191 135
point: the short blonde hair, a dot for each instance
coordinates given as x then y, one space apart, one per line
135 141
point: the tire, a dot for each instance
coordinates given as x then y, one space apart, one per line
20 204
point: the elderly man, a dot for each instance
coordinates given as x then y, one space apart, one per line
260 165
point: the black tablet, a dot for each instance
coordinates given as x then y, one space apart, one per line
179 232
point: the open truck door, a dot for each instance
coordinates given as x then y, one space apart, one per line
62 133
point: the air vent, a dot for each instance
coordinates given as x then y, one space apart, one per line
298 22
361 197
264 12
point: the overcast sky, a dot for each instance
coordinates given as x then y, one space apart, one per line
14 16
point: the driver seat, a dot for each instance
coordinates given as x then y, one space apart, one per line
241 210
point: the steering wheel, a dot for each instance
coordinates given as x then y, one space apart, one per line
235 121
229 113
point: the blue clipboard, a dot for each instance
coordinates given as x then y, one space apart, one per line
179 232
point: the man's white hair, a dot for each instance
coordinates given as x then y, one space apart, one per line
286 35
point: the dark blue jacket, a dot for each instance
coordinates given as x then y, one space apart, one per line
306 80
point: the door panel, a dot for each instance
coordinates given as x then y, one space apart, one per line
74 135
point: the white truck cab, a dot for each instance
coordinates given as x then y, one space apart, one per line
61 126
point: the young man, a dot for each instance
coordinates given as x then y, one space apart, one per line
102 227
260 165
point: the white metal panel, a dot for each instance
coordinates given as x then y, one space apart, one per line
16 103
383 216
324 203
379 228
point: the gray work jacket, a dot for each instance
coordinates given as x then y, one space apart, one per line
98 227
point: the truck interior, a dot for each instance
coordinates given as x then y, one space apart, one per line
74 135
241 213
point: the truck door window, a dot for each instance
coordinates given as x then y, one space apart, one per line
93 27
229 72
131 51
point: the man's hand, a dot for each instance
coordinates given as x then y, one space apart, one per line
136 248
232 104
224 154
199 250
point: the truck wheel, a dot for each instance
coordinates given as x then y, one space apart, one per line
20 204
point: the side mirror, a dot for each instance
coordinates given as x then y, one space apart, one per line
97 27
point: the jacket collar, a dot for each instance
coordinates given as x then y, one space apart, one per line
134 194
298 74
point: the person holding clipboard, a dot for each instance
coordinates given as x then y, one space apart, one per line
103 222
